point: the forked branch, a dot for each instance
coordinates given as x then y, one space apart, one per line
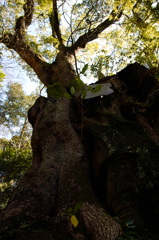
18 43
93 33
72 32
23 22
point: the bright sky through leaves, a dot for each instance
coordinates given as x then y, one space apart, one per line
134 37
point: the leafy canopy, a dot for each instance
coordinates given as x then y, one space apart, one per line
14 105
16 153
14 163
134 37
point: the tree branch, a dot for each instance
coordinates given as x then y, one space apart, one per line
51 19
24 21
93 34
56 22
28 9
74 51
139 20
79 24
33 59
17 42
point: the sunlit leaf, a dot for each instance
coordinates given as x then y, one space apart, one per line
74 221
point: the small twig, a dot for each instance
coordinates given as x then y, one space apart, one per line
72 45
61 5
78 25
41 90
64 16
75 59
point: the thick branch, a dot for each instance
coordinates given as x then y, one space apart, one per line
24 21
33 59
93 34
28 9
56 22
17 42
22 132
51 18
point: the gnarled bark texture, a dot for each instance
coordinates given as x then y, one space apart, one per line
102 152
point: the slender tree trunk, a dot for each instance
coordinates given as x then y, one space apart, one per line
22 132
112 173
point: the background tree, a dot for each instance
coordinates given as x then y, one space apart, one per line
13 164
88 155
14 107
15 154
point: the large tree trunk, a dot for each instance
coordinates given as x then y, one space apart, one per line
100 154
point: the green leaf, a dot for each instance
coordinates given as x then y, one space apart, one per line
77 207
49 39
2 75
97 88
74 221
67 95
84 68
72 90
80 83
70 210
91 89
84 94
56 90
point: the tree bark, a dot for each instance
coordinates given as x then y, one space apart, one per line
113 170
95 161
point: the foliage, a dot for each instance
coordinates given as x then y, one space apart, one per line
15 154
56 90
97 88
72 212
14 105
74 221
14 163
1 76
133 38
